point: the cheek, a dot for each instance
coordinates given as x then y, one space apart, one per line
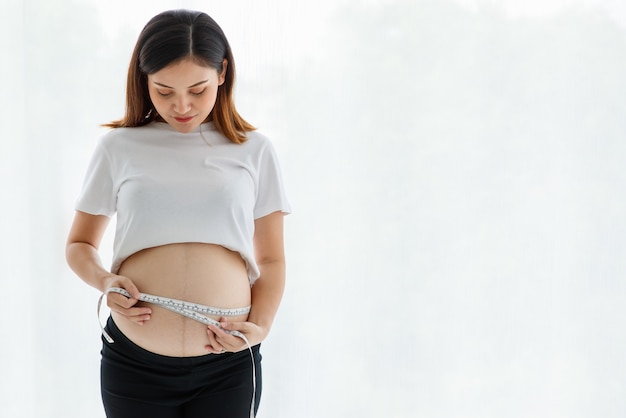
208 100
157 101
206 103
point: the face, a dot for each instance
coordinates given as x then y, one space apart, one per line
184 93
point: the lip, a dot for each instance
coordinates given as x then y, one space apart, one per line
183 120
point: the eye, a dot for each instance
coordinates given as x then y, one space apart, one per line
198 93
163 94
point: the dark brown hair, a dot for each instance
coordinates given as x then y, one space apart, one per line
170 37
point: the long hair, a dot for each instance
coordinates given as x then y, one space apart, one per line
170 37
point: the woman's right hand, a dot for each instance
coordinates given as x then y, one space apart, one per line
82 256
126 306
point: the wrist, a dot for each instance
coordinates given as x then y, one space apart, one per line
263 327
106 281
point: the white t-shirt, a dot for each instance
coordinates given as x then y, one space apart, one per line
169 187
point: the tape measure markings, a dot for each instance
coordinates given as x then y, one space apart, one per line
193 311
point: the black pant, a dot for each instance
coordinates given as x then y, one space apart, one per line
137 383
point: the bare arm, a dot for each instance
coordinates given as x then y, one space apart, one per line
267 291
81 253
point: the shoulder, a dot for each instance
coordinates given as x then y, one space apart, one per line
122 137
256 137
258 142
115 135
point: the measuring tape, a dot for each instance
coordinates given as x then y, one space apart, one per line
193 311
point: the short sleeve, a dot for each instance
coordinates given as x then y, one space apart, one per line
271 196
98 195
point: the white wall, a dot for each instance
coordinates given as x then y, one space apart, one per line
456 170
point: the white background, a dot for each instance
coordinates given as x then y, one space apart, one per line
456 170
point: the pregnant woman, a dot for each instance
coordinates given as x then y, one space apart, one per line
199 205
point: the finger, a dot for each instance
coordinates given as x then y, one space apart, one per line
124 283
225 326
130 287
223 322
213 350
214 345
219 333
137 314
116 300
225 339
126 306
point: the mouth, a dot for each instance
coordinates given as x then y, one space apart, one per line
183 120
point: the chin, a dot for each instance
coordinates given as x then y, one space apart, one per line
183 127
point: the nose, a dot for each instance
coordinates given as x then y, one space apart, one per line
181 105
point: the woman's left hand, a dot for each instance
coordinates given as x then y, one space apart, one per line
221 341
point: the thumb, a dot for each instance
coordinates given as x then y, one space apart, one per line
224 322
232 326
238 327
130 287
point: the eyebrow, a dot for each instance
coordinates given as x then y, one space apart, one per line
192 86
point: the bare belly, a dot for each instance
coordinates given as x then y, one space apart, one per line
201 273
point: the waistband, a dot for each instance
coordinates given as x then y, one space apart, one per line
193 311
190 310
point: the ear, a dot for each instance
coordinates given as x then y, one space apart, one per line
223 73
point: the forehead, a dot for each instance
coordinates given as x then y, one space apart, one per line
183 74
